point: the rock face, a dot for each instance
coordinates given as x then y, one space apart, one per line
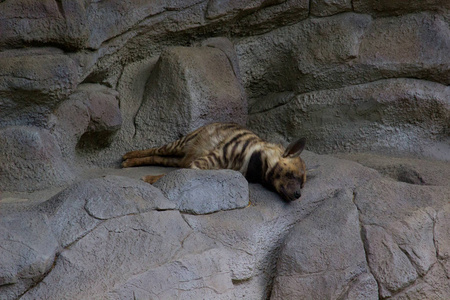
188 88
353 235
83 82
202 192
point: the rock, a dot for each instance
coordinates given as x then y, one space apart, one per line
414 236
269 17
386 7
77 210
405 169
420 32
33 82
75 24
121 247
322 172
343 50
323 256
323 8
400 224
295 58
188 88
27 252
376 109
196 276
31 160
205 191
217 8
390 266
104 113
88 120
442 229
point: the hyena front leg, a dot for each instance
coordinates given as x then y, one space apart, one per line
211 161
167 161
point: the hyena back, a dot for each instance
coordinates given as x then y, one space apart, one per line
230 146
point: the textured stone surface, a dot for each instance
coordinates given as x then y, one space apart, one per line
31 159
118 238
195 276
131 244
385 113
32 82
405 169
350 75
399 228
77 210
28 249
323 256
188 88
205 191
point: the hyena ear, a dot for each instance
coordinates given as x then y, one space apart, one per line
295 148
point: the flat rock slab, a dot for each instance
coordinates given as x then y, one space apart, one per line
27 251
323 256
80 208
205 191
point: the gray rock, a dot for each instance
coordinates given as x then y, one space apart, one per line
386 7
390 266
197 276
323 8
104 114
115 251
323 256
415 237
27 252
87 120
218 8
342 50
78 209
382 125
442 231
31 160
205 191
405 169
401 232
32 83
188 88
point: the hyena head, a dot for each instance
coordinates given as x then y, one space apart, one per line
288 175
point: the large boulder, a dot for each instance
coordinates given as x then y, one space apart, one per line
399 223
31 160
32 83
119 249
323 256
189 87
28 251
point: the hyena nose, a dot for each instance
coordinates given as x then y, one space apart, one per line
297 194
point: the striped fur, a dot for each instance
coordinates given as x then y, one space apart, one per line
230 146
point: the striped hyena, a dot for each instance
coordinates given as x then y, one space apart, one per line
230 146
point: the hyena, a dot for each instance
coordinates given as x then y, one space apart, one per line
230 146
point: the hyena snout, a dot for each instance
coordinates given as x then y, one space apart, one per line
291 191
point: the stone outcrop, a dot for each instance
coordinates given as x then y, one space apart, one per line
83 82
353 235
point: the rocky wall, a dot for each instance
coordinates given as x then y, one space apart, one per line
102 78
82 82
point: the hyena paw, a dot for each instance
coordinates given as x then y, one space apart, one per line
127 155
126 163
152 178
